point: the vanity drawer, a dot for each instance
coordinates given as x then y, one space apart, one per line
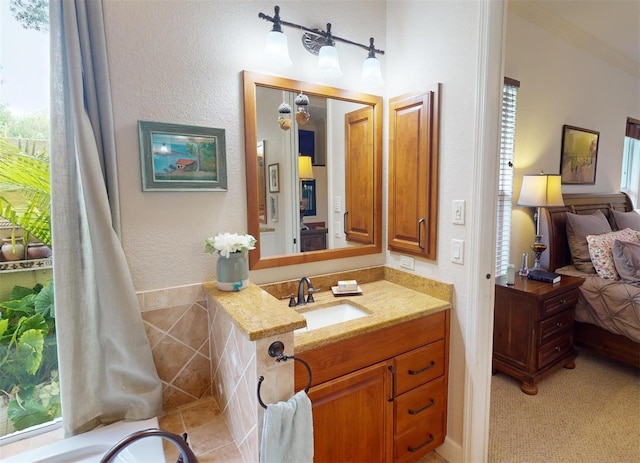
555 348
414 408
417 442
419 366
552 326
557 303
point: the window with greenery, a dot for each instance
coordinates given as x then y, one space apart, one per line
29 388
505 176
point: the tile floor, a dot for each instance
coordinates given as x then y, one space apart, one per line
204 424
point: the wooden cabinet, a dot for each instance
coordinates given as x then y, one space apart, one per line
313 239
351 415
413 173
533 328
380 396
361 172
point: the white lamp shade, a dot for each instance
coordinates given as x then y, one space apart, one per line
276 50
328 63
305 169
371 73
541 191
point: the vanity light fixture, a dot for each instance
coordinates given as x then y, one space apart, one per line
276 48
322 43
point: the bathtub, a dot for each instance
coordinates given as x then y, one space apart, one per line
89 447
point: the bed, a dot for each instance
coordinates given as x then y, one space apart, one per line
607 316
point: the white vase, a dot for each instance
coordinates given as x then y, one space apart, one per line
232 273
12 252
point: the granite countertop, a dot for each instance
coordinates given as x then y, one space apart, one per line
390 295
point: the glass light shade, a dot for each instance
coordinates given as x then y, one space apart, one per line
305 170
328 63
371 73
541 191
276 50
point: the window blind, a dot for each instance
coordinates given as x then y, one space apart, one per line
505 176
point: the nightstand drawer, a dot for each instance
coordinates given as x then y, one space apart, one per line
557 303
555 349
415 408
419 366
552 326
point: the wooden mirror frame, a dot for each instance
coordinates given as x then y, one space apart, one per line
251 80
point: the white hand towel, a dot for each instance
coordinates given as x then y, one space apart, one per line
287 431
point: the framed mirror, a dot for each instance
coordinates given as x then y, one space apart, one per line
329 157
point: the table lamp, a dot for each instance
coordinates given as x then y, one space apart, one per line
540 190
305 172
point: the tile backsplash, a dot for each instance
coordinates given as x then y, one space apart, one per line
176 321
199 352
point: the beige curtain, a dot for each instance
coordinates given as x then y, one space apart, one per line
106 368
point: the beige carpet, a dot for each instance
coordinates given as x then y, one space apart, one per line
589 414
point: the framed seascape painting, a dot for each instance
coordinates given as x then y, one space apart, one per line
579 156
182 157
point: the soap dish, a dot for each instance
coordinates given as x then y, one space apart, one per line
354 292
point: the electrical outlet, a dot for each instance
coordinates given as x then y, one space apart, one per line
458 212
457 251
336 204
336 229
407 262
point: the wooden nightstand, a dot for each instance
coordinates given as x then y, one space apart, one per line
533 328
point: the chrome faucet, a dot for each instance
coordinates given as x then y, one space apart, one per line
301 300
186 454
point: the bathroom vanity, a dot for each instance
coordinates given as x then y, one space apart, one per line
380 396
379 381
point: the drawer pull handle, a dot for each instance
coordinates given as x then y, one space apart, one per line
428 367
557 348
420 410
393 383
415 449
559 324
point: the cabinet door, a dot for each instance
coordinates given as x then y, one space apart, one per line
359 176
353 418
413 173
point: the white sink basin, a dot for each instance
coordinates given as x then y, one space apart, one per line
326 315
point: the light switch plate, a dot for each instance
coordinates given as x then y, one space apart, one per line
458 211
336 203
457 251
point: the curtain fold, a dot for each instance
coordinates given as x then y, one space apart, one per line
106 368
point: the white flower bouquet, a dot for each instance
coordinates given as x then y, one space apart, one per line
227 243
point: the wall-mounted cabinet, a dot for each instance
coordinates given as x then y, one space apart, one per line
413 173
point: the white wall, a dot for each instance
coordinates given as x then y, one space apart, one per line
180 62
562 83
439 43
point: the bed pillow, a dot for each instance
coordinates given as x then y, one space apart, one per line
601 250
578 227
626 257
626 219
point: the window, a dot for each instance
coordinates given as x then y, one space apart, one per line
29 386
630 179
505 176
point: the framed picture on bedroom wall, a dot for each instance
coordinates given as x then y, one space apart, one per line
579 155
